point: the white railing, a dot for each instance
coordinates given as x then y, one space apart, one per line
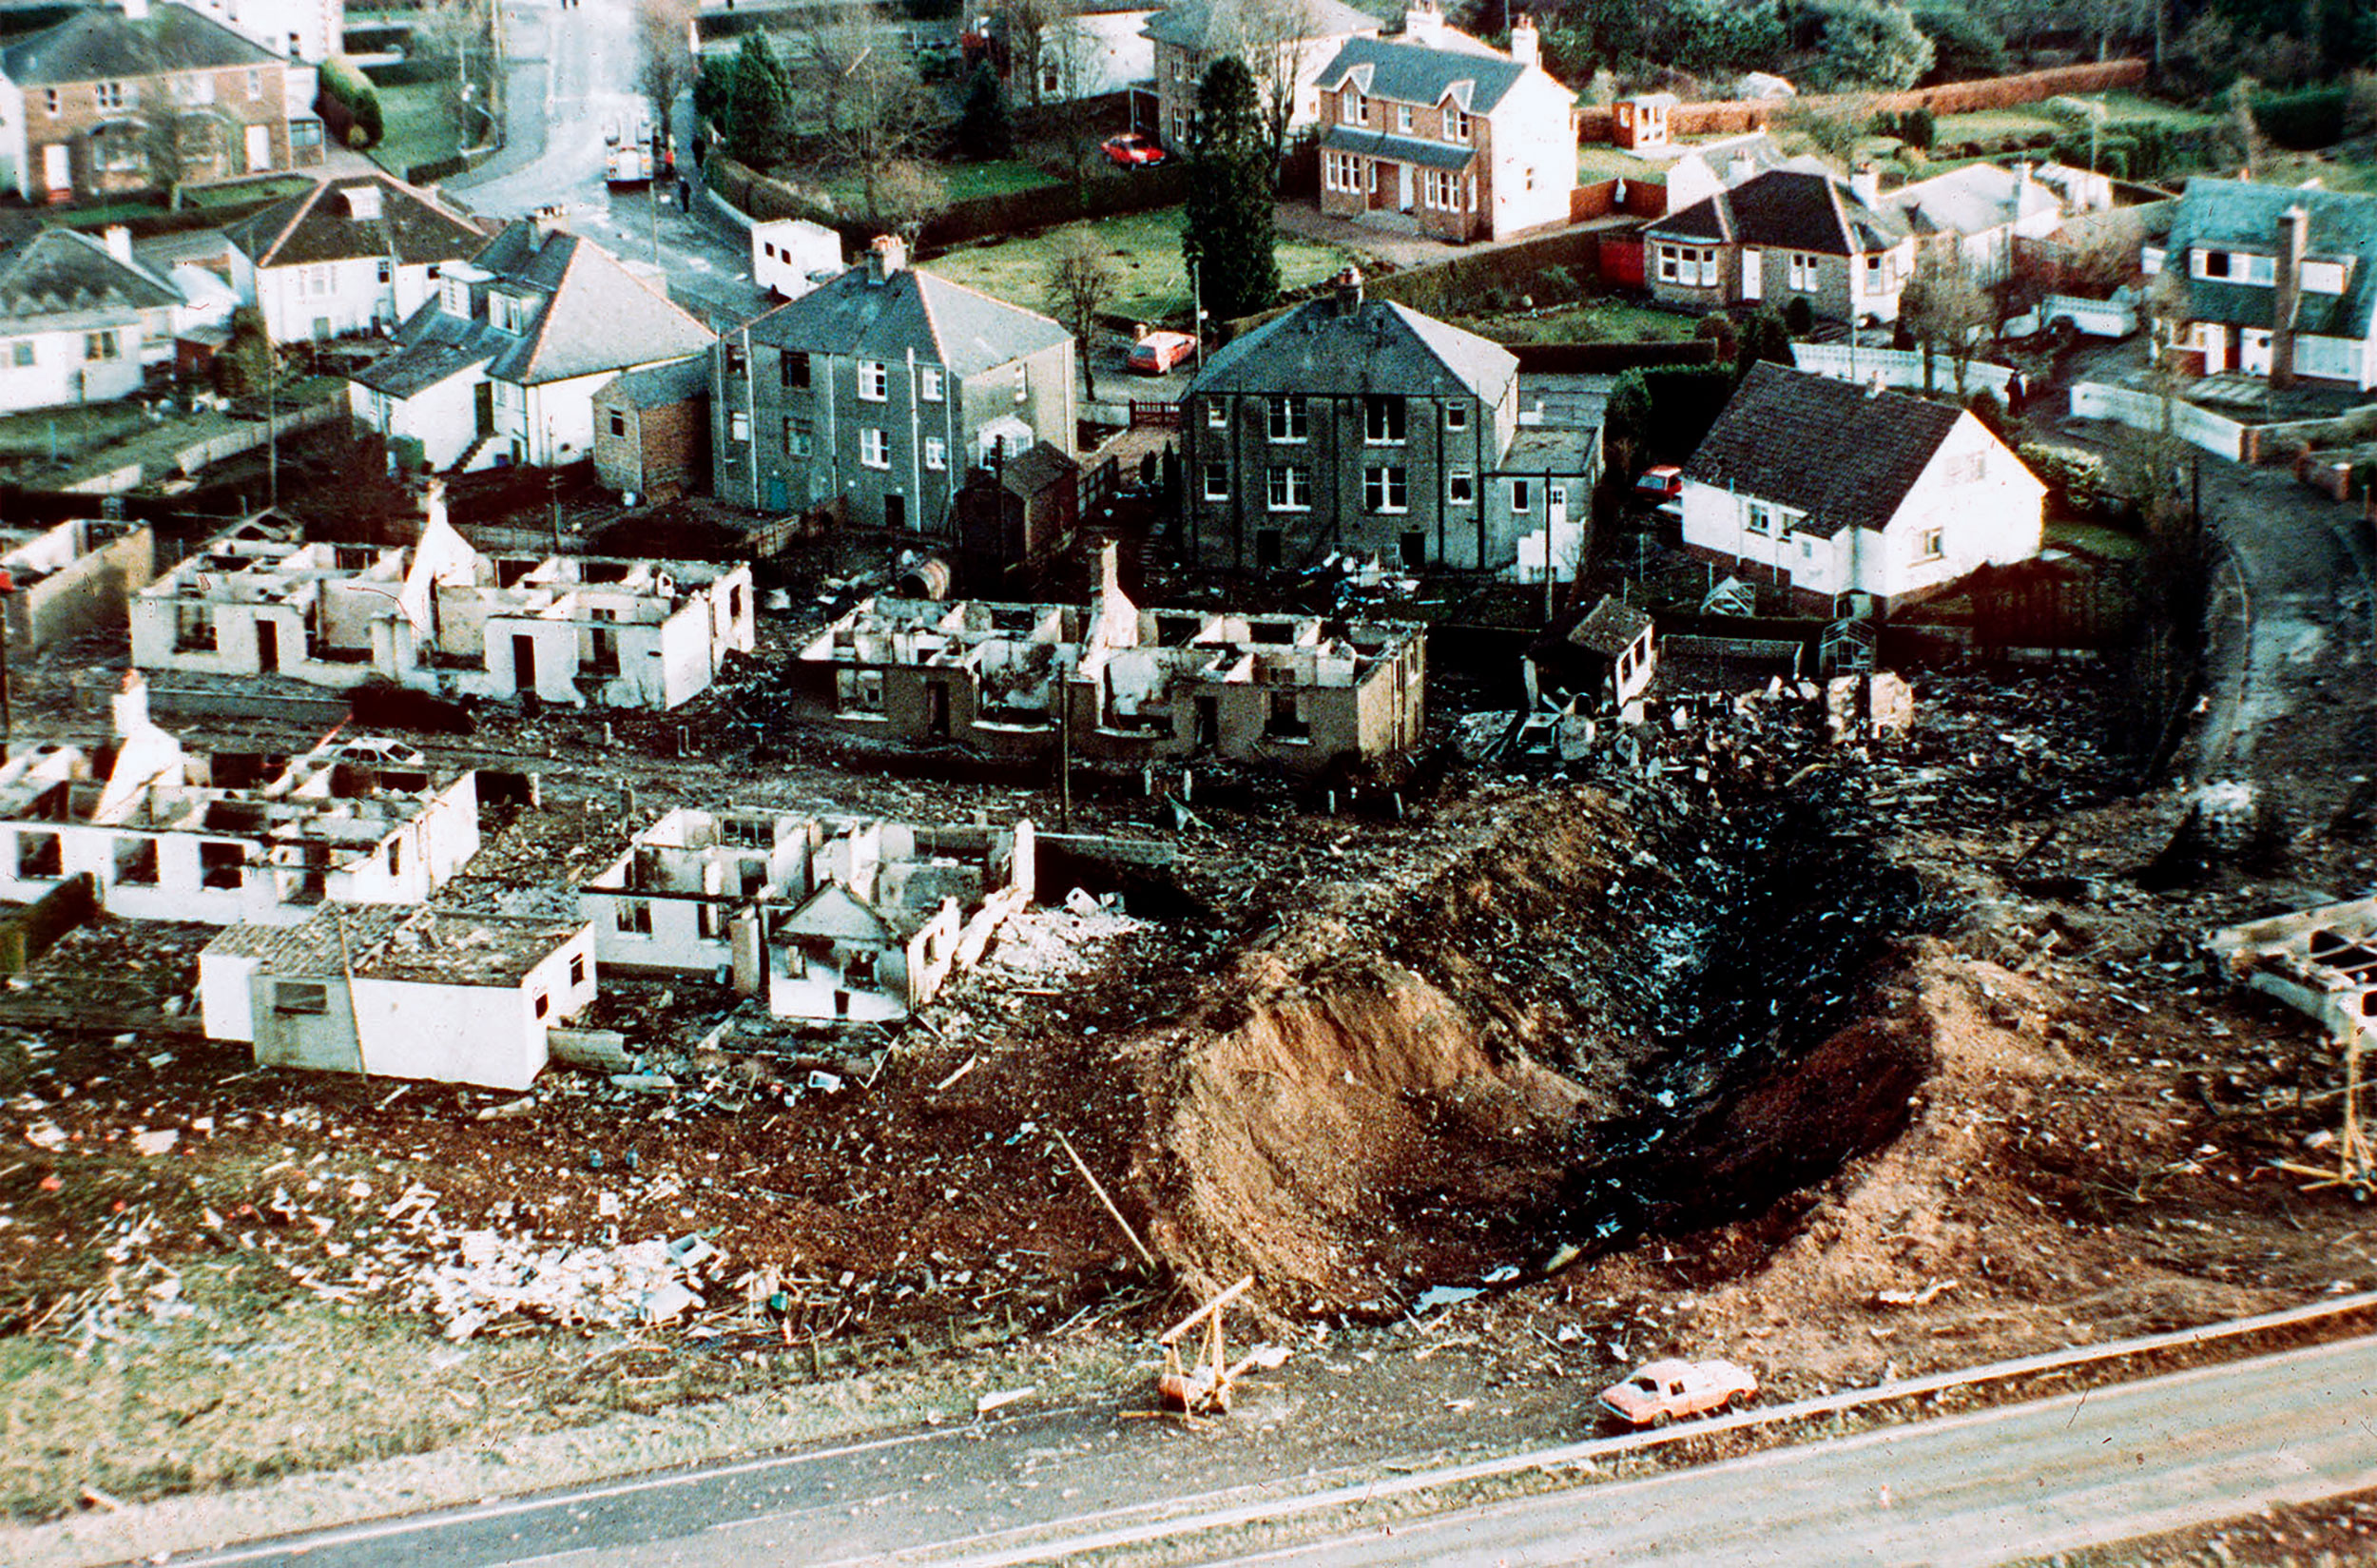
2145 411
1897 367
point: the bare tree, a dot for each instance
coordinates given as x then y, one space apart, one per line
904 196
664 32
1947 311
875 110
1272 38
1078 282
180 145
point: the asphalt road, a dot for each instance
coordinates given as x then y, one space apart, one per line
2020 1480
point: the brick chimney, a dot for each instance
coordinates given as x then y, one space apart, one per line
1525 47
1864 183
1345 297
2294 229
119 241
1423 23
885 256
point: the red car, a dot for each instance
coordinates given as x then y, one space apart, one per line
1159 351
1661 1391
1133 149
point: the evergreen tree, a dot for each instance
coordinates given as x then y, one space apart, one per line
986 129
1227 229
755 111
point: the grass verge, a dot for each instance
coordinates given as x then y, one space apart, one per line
1144 249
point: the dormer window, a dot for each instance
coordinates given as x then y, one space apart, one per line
1402 118
1354 108
363 201
1456 125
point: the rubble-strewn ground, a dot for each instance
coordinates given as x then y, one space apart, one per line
1361 1056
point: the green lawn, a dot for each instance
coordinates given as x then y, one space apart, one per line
413 125
1603 321
1144 249
1600 161
2025 120
2111 544
964 181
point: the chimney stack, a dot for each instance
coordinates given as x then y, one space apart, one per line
135 11
2294 230
1525 46
885 256
1349 292
1864 183
119 242
1423 23
550 220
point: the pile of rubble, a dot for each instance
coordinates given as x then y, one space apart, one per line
493 1275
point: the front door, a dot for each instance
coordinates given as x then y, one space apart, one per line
524 665
483 407
267 648
937 708
57 171
1752 285
1402 187
894 510
775 493
259 148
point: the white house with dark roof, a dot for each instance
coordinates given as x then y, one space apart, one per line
1977 213
1784 233
1437 132
79 317
1362 426
350 255
301 30
502 363
1283 42
2275 280
1825 489
879 391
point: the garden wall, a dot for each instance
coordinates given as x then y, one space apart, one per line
1727 117
764 200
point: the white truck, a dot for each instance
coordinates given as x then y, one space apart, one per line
628 155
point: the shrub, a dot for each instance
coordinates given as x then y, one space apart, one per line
1919 129
2078 483
2312 118
1799 317
367 118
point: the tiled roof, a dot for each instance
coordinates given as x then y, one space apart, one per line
1844 456
1971 199
102 44
1788 210
1205 26
946 324
1379 346
320 226
657 386
1403 149
400 942
1477 79
2236 215
59 272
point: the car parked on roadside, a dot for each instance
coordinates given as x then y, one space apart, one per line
1133 149
1659 1391
1660 484
1159 351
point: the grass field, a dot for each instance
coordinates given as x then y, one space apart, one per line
415 128
1144 249
1603 321
963 181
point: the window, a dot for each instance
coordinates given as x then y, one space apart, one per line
738 427
1457 416
936 453
798 438
1402 118
618 424
1023 382
633 916
1758 519
1383 420
255 84
1456 125
1290 488
873 448
101 345
1930 544
544 1005
734 357
1283 722
1342 171
1291 419
1694 267
1385 490
1803 272
929 382
21 352
794 370
1521 497
858 967
1216 482
1216 416
300 999
858 690
385 272
49 101
305 136
1441 190
1353 108
318 281
874 381
577 969
110 94
1461 487
193 628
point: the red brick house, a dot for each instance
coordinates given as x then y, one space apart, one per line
126 99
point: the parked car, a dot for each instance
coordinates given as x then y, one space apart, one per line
1159 351
1663 483
1133 149
1661 1391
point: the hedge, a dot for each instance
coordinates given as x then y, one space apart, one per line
409 73
435 170
1720 117
2305 119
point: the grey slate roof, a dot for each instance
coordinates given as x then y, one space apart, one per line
102 45
1832 450
1786 209
1971 199
1477 79
1380 346
2239 216
400 942
1550 449
1610 628
596 317
657 386
1203 25
946 324
1036 469
1403 149
318 226
59 272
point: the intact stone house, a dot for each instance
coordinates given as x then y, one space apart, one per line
652 429
126 98
80 319
1283 41
877 392
1784 234
1117 684
350 255
1364 426
2274 280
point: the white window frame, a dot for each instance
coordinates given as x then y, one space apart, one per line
1393 427
936 454
1216 415
1290 488
1758 518
1460 486
1023 380
1288 419
738 425
1402 119
1353 108
929 384
1456 416
1522 496
873 447
1386 488
1216 481
1456 125
800 436
1931 543
874 381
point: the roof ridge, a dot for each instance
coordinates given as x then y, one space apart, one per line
552 303
297 215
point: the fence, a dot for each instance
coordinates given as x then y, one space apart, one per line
2145 411
2096 318
1897 367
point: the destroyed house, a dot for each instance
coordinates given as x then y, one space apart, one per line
831 919
438 616
2320 961
169 835
1120 684
399 993
61 582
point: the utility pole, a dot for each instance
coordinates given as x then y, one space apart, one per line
1196 310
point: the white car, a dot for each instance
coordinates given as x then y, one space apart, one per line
1661 1391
